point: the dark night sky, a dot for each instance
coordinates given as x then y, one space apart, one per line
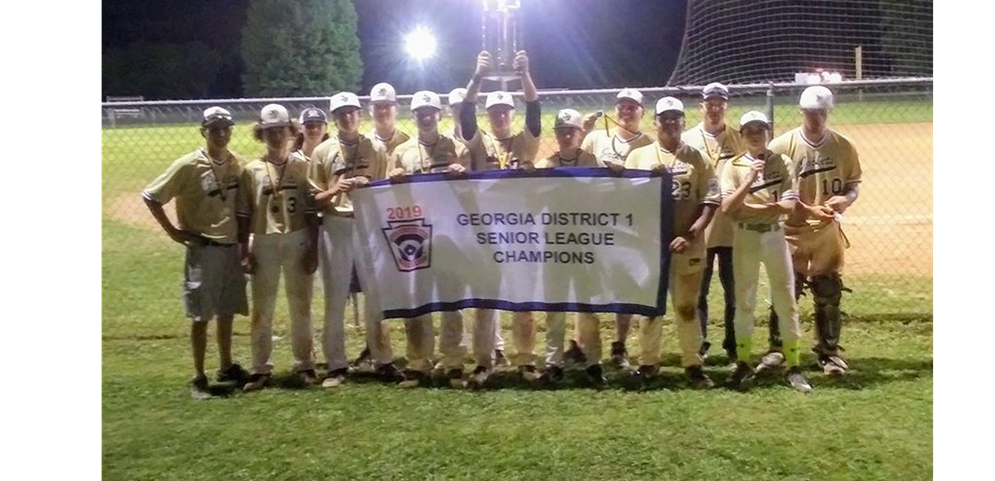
572 43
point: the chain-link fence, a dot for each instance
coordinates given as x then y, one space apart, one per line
888 267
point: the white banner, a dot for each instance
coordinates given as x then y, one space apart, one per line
575 240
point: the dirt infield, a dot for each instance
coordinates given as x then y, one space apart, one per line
890 227
130 208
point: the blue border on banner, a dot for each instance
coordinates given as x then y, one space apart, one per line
666 235
617 307
521 174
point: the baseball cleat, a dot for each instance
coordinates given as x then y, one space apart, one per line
797 381
529 373
200 389
256 382
307 377
363 363
647 372
389 373
772 360
234 374
479 377
574 356
697 377
597 376
833 365
455 377
620 356
741 377
413 379
552 375
334 378
500 360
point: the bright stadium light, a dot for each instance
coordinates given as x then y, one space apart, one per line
420 43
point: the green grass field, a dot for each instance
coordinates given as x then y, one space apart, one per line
874 424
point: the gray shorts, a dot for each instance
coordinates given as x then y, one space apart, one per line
213 282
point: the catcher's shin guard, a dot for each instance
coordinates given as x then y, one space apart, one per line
828 290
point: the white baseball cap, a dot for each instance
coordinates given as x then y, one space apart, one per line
457 96
343 99
631 94
715 89
383 92
816 97
753 116
499 98
216 114
568 118
425 98
312 114
669 104
274 115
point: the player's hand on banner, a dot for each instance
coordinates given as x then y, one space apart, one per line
528 166
659 170
396 175
456 169
837 203
483 64
360 182
615 167
310 263
521 62
344 185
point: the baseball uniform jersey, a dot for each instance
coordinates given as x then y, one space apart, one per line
716 149
276 198
388 145
491 153
334 159
582 159
416 157
773 185
608 147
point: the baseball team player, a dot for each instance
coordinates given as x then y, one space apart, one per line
569 130
613 148
718 144
383 109
696 195
315 125
274 205
829 182
502 149
204 184
759 190
339 165
428 152
385 135
456 98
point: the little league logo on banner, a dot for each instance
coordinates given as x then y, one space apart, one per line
410 242
582 240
